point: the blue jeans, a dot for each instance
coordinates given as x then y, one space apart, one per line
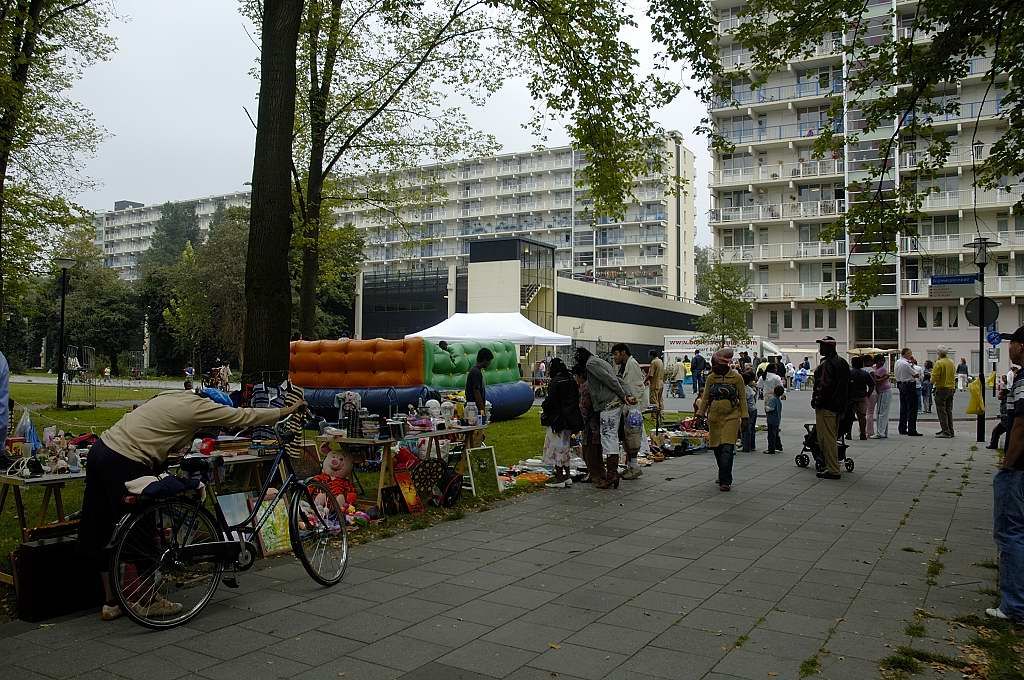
774 440
1008 531
723 456
749 434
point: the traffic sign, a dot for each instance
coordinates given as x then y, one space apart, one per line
993 338
953 286
973 311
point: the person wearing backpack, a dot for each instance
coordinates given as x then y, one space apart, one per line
560 414
724 404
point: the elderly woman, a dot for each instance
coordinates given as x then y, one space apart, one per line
725 406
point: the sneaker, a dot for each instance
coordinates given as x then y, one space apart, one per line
568 482
914 434
160 606
770 453
943 435
632 473
997 613
724 487
556 484
829 475
111 612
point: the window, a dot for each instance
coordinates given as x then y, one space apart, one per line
750 320
773 324
819 318
975 362
922 317
936 317
832 318
953 316
805 318
787 319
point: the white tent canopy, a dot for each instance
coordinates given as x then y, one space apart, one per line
509 327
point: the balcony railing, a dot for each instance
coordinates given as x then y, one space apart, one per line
766 95
753 135
780 171
968 111
957 155
966 198
796 291
994 285
631 261
779 211
783 251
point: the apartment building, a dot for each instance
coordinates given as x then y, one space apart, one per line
771 198
126 232
535 194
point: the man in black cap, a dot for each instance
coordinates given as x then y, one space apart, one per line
1008 500
829 400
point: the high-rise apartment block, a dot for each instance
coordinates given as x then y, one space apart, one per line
535 194
771 198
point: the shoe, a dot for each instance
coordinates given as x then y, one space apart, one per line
568 482
724 487
111 612
829 475
769 453
943 435
997 613
160 606
556 484
914 434
632 473
989 447
863 437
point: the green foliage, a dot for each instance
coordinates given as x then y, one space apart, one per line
702 265
726 319
901 662
178 226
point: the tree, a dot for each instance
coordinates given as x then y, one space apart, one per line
178 226
188 310
896 89
44 47
702 266
726 319
267 288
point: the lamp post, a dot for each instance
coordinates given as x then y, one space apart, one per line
65 263
981 246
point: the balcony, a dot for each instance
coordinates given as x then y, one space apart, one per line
963 199
933 245
980 110
778 211
779 133
997 286
781 93
782 251
780 172
795 291
958 155
631 261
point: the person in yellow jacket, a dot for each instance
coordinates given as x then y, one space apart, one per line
944 382
724 404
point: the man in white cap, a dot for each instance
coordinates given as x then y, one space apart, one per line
944 379
829 401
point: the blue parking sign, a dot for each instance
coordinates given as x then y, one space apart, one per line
994 339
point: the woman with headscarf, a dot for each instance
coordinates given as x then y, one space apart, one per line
560 414
725 406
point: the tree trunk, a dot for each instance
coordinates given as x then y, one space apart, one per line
267 286
311 239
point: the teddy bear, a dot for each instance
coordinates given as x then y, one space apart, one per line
336 475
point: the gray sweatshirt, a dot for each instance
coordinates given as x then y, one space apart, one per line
605 386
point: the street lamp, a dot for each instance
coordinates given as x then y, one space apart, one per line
65 263
981 247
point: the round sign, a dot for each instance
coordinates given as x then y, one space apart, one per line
975 306
993 338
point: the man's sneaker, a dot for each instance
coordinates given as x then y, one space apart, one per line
997 613
111 612
556 483
160 606
632 473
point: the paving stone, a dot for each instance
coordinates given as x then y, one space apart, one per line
229 643
451 594
286 622
591 598
782 645
562 616
264 601
447 631
411 609
434 670
146 667
640 618
365 626
666 663
798 624
743 663
527 635
256 666
680 638
578 661
611 638
354 669
487 613
519 596
398 651
66 665
313 647
716 621
488 658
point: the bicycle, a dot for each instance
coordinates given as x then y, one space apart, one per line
169 555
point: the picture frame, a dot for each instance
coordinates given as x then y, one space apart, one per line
274 537
482 468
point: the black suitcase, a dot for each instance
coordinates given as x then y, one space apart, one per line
48 582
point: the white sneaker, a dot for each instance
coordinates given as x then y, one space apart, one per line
556 484
568 482
160 606
997 614
111 612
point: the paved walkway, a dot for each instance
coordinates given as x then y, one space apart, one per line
665 578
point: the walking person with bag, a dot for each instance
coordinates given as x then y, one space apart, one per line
633 442
724 404
560 414
829 400
607 394
943 377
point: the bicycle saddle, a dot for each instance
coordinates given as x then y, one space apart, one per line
202 464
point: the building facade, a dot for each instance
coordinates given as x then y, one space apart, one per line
126 232
534 194
771 198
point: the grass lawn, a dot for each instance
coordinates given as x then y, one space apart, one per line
38 393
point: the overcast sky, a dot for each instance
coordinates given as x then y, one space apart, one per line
172 100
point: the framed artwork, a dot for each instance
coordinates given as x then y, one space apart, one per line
483 471
408 488
274 538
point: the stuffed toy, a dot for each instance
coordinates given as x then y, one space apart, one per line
336 475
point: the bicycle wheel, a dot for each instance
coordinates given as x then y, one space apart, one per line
153 584
318 534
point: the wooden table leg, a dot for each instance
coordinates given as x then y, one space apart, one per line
20 507
47 493
3 497
58 501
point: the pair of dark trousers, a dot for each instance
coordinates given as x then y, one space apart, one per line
944 408
908 407
724 454
774 440
749 435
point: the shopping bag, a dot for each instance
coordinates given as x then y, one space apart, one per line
974 403
633 428
26 430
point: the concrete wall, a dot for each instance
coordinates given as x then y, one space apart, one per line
494 287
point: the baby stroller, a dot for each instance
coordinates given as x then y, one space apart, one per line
811 446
